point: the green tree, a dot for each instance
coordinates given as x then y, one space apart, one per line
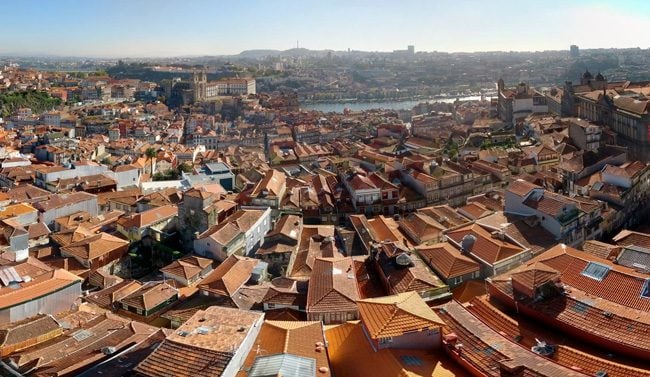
150 153
183 168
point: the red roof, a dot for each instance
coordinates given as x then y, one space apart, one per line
447 261
486 247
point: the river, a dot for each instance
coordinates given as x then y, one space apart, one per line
367 105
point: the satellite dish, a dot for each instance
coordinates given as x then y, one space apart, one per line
403 260
467 242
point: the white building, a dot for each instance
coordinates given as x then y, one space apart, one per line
241 233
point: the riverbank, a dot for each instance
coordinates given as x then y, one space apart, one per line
361 105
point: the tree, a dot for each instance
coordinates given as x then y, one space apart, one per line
184 168
150 153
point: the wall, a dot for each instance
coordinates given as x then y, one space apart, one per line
255 235
244 349
89 206
425 339
54 303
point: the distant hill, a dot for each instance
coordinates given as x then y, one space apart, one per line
256 54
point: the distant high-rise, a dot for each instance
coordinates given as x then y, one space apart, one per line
574 51
411 49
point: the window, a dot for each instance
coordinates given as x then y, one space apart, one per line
387 340
645 290
595 271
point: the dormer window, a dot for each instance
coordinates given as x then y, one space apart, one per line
645 290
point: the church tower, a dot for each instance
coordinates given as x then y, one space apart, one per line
199 83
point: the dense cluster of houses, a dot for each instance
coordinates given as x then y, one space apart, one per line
300 243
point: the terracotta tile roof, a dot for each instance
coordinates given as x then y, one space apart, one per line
486 247
69 355
27 193
40 286
387 229
415 277
332 286
102 279
150 295
447 261
533 277
468 290
522 231
609 324
106 297
423 226
273 183
148 217
67 237
631 238
249 297
124 363
229 276
12 335
564 355
621 285
69 264
62 200
288 226
488 351
550 204
174 359
316 241
521 188
285 314
474 210
289 337
396 315
226 328
234 225
95 246
38 230
351 355
360 182
285 291
601 249
444 215
187 267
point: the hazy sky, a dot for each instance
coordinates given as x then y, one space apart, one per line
125 28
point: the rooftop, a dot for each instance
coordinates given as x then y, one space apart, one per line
396 315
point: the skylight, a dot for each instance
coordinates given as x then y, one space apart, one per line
595 271
411 360
645 290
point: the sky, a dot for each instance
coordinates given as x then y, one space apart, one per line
157 28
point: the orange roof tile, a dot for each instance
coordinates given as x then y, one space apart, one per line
521 188
38 287
150 295
187 267
289 337
351 355
486 247
396 315
95 246
447 261
229 276
333 285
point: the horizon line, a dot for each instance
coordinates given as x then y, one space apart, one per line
45 55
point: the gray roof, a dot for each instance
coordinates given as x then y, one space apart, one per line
217 167
285 365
